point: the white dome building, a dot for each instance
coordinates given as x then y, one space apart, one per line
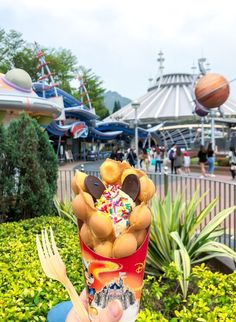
169 107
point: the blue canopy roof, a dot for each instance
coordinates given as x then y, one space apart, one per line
75 110
121 126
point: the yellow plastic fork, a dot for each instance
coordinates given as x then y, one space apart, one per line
54 268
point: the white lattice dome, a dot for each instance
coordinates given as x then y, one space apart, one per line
170 98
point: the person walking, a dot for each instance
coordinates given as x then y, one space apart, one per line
178 161
119 155
210 160
132 157
232 161
187 162
145 159
158 159
113 154
141 158
202 159
171 156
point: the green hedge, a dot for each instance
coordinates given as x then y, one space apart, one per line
26 293
211 297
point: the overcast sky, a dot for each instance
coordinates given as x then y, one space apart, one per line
120 39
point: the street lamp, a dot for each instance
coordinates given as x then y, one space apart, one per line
135 105
214 114
149 136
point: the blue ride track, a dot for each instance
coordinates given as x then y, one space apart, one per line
74 109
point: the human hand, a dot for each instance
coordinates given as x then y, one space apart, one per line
112 313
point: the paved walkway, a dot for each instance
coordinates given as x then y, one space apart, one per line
224 176
71 165
221 186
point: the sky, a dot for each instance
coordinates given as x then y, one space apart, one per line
120 39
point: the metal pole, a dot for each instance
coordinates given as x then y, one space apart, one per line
213 130
202 133
190 135
136 131
166 183
149 140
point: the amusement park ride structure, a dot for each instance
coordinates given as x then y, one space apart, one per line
16 95
172 109
59 112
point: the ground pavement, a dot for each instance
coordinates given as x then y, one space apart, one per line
221 186
94 166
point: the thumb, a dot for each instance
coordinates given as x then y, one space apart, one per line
112 313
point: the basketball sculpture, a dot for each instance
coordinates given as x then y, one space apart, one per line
212 90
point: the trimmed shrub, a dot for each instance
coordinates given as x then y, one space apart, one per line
212 297
223 162
33 163
26 293
4 174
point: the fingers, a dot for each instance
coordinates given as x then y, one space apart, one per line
73 316
112 313
84 298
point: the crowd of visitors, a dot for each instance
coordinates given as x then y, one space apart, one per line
175 158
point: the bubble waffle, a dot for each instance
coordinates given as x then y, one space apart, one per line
114 210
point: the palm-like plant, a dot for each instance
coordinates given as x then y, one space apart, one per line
176 235
64 209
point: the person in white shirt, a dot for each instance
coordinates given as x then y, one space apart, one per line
232 161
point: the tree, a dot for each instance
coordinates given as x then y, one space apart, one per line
95 90
26 59
63 65
16 52
47 160
116 107
35 169
11 43
4 174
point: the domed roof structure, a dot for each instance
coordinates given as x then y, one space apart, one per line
169 99
17 95
170 110
20 79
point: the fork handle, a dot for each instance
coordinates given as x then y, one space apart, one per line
76 301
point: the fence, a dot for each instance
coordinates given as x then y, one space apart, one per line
186 185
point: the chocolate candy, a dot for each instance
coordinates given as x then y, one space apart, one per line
94 186
131 186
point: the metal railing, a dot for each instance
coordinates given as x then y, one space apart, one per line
184 184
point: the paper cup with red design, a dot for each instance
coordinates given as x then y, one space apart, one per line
114 278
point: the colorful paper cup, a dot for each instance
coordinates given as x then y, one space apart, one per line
108 279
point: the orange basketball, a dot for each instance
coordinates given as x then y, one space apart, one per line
212 90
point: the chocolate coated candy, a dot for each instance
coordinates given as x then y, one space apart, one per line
131 186
94 186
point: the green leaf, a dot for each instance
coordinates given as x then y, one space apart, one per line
182 261
212 225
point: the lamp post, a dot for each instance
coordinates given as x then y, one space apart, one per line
214 114
202 132
135 105
149 136
213 129
190 136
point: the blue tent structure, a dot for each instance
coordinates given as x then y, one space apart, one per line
74 110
